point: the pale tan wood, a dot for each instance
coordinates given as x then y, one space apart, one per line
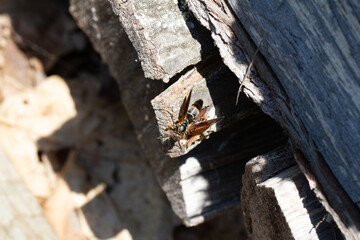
21 214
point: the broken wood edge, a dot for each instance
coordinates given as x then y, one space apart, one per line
266 176
236 49
133 28
211 177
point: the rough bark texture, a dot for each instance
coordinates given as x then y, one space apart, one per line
304 105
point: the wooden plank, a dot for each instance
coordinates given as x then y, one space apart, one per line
165 40
206 181
229 35
136 91
304 36
277 201
237 50
312 48
22 216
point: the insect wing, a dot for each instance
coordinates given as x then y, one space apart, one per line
201 114
184 107
198 128
192 139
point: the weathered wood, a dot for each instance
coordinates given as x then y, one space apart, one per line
236 49
166 40
21 215
206 181
324 78
211 82
278 203
229 35
118 53
323 66
210 175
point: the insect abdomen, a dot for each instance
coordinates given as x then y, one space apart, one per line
194 110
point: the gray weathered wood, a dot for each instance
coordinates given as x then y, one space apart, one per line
237 50
161 35
278 203
21 214
313 49
210 175
211 82
206 181
110 40
229 35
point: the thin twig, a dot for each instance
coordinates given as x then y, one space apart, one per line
246 76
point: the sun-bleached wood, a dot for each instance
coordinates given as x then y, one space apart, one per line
22 216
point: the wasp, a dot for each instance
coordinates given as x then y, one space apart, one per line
191 122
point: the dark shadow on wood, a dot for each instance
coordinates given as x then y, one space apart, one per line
318 215
223 156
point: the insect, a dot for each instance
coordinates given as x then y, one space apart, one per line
191 122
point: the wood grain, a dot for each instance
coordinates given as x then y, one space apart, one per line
312 48
165 39
274 35
278 202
